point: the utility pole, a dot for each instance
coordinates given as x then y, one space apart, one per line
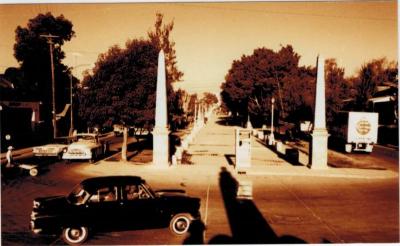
71 128
49 38
71 87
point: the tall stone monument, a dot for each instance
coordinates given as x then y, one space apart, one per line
319 144
160 131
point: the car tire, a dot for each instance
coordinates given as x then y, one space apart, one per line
75 235
180 223
94 157
33 172
348 148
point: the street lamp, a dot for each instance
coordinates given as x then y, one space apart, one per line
271 138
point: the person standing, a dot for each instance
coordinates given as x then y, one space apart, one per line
9 156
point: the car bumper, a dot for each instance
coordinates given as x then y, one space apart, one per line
76 157
46 154
33 229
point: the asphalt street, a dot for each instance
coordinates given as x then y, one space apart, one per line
287 203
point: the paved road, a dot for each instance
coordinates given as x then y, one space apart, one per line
381 156
289 203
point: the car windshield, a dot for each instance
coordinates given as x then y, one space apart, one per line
153 194
85 138
78 195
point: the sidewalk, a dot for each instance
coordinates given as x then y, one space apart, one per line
215 143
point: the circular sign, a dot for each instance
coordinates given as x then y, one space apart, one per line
363 127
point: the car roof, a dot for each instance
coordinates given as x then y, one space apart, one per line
92 183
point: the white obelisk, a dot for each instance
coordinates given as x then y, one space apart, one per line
319 144
160 131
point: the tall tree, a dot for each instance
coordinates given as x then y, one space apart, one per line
337 89
253 80
32 52
375 73
123 85
160 38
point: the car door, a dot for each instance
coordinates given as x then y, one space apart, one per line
140 207
104 207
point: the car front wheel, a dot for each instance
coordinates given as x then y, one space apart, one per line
33 172
94 157
75 235
180 223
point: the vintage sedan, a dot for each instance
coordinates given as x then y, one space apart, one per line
112 203
53 150
86 146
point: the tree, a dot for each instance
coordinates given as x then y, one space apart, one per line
179 117
123 85
375 73
253 80
209 99
160 38
337 89
119 89
32 52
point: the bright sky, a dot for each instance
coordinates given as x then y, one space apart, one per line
209 36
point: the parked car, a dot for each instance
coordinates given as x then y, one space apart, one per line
86 146
112 203
54 150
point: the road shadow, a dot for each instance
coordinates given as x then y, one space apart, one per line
247 224
195 233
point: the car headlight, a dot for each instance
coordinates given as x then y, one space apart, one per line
33 215
36 204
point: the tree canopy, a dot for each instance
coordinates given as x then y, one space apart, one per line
253 80
337 89
377 72
123 85
209 99
32 79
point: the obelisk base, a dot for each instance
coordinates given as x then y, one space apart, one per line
319 149
160 147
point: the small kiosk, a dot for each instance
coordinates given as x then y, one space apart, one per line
242 149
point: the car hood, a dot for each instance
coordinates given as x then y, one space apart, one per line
51 202
81 145
170 192
50 147
53 146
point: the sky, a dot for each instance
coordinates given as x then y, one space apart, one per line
210 36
